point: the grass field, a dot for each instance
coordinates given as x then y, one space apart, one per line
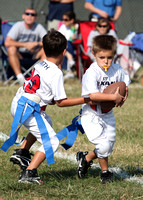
60 179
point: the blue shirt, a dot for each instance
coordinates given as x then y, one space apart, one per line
108 6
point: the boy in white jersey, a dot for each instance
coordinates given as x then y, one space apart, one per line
46 85
98 124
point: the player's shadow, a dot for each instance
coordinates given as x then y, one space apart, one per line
72 174
96 172
68 174
59 174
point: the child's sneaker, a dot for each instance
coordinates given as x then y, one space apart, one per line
106 177
83 164
29 176
21 157
69 75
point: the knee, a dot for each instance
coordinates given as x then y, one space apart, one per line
104 149
12 51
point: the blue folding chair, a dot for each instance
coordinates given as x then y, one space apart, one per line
5 27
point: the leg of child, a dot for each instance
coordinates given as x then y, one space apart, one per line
69 56
28 142
91 156
103 162
70 61
106 176
38 158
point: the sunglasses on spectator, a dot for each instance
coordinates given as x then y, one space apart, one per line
65 19
104 26
32 14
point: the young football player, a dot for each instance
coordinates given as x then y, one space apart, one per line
98 124
45 86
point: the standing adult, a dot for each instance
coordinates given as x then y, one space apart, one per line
56 10
111 9
24 41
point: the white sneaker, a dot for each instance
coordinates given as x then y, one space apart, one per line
68 75
21 79
70 64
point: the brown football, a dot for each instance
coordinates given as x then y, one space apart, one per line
111 89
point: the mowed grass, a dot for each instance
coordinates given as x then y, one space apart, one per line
60 179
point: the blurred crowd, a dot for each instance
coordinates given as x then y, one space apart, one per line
24 40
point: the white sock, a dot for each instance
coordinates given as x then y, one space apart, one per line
20 78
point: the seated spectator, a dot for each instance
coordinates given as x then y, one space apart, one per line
69 29
24 41
103 27
56 10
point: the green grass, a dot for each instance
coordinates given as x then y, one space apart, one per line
60 179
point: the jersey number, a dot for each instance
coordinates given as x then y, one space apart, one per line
33 85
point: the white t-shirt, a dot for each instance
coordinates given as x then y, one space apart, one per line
20 33
47 82
96 79
68 32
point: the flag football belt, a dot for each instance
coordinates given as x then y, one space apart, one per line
25 108
94 107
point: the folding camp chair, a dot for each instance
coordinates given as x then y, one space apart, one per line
7 72
130 55
83 61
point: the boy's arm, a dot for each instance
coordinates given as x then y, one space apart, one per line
100 97
74 101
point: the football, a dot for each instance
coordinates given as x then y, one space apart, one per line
111 89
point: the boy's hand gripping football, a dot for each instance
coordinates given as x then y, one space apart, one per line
119 98
126 95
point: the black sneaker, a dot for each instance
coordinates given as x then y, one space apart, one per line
106 177
29 176
83 164
21 157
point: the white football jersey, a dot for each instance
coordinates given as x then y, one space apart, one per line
47 82
96 79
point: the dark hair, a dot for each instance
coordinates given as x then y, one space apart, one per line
54 43
104 42
70 15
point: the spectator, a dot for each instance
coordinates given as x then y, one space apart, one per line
103 27
24 41
56 10
69 29
104 8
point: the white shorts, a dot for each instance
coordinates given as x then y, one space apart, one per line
100 130
32 126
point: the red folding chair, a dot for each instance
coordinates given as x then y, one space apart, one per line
83 61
